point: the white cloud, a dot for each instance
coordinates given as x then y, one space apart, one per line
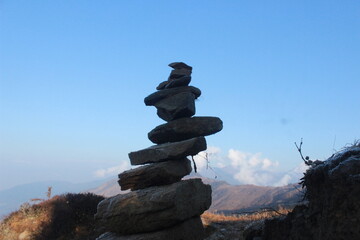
246 168
101 173
252 168
202 159
283 181
293 175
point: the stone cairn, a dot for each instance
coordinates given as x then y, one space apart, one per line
160 204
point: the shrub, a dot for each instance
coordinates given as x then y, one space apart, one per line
68 216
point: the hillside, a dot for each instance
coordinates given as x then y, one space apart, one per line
228 198
63 217
12 198
225 196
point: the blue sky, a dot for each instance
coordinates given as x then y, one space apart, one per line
73 75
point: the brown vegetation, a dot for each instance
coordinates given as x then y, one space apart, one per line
231 227
68 216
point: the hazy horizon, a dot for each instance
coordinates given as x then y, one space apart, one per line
73 76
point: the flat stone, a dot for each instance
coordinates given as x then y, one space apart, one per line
168 151
155 97
179 65
185 128
155 174
177 73
162 85
179 82
191 229
176 106
172 83
154 208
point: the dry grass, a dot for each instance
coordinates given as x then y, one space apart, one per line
209 217
220 226
69 216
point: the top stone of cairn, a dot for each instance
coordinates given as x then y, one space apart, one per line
179 65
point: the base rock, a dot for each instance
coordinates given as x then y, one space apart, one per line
154 208
191 229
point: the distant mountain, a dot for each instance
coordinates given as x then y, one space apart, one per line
228 198
12 198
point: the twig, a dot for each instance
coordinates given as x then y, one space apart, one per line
306 160
195 168
208 163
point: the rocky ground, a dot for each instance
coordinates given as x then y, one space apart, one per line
33 222
225 230
221 227
332 211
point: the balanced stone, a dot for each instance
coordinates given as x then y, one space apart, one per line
155 174
185 128
168 151
154 208
178 73
179 65
155 97
191 229
178 82
162 85
176 106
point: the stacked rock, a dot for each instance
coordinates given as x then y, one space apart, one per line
160 204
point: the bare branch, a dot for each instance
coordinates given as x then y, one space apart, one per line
306 160
195 168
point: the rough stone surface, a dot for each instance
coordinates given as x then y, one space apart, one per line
154 208
168 151
155 174
185 128
179 82
253 230
333 209
191 229
162 85
155 97
176 106
178 73
179 65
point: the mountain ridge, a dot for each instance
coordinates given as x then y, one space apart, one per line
229 199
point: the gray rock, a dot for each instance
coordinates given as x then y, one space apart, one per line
253 230
155 174
178 73
154 208
191 229
332 211
155 97
185 128
168 151
176 106
172 83
179 82
179 65
162 85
